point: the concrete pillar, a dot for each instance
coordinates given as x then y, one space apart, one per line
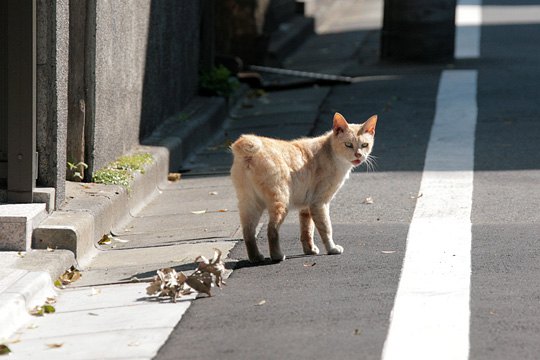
52 89
418 30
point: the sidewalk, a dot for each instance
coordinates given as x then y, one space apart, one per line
183 220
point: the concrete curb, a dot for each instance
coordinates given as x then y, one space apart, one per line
31 289
27 282
93 209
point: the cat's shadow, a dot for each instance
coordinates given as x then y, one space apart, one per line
266 262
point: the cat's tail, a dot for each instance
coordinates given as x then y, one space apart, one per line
246 145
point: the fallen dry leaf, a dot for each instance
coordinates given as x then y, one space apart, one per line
223 210
214 266
50 301
37 311
198 212
42 310
309 264
59 284
174 176
357 332
71 275
4 349
95 292
105 240
413 196
368 200
21 254
201 283
261 303
55 345
213 193
50 249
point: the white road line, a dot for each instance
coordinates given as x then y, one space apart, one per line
468 21
430 319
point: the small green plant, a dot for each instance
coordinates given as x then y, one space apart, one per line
219 81
121 171
183 117
75 169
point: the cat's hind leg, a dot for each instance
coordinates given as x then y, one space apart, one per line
321 217
250 214
276 213
307 228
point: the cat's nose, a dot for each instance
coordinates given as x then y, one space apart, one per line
358 155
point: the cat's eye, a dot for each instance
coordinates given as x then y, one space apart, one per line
349 145
364 145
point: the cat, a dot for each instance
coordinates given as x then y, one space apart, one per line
306 173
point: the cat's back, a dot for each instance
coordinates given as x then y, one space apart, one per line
253 145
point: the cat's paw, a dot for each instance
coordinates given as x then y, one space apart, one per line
277 257
256 258
338 249
313 251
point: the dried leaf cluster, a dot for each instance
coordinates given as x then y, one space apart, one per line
71 275
46 308
169 283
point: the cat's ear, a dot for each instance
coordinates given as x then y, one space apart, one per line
369 125
340 124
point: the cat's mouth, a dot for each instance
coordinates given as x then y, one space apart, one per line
356 162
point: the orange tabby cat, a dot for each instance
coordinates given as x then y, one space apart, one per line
305 174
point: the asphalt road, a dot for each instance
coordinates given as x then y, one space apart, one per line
339 307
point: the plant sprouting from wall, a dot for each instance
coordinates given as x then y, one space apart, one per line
122 171
76 170
219 81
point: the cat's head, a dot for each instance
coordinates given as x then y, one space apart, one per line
353 142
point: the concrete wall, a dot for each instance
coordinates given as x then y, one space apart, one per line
146 63
3 87
52 72
172 60
121 28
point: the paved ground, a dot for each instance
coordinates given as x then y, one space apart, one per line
341 306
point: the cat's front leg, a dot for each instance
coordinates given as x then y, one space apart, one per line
321 217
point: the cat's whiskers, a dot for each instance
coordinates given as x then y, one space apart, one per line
371 162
